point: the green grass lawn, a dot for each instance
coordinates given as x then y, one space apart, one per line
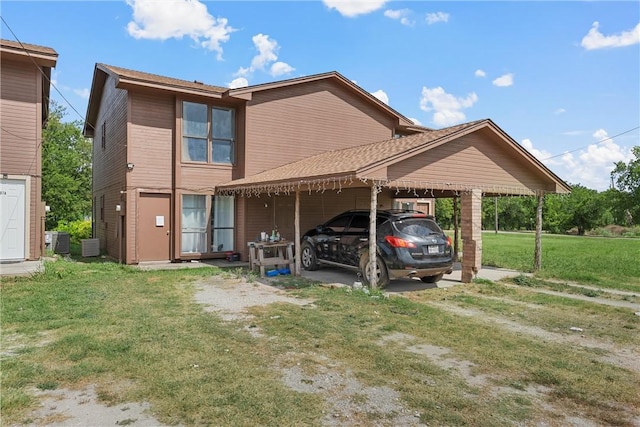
598 261
109 325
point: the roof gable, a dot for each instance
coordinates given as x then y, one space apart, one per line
247 92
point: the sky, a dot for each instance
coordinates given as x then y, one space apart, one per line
562 78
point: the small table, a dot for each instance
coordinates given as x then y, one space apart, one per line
281 254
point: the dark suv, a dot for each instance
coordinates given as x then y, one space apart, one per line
409 244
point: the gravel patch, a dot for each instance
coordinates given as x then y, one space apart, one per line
348 401
230 298
64 408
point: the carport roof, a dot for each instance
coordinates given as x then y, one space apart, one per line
358 163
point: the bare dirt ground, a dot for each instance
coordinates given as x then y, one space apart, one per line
230 299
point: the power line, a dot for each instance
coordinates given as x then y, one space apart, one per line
42 72
599 142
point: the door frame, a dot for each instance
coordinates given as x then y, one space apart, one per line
169 221
27 215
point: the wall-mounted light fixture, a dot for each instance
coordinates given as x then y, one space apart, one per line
130 166
118 208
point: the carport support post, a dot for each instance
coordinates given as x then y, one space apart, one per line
537 262
471 207
373 258
296 226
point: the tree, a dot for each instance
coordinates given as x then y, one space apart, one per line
66 169
444 213
584 209
627 180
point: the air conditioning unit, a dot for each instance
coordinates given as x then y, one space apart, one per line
62 243
90 247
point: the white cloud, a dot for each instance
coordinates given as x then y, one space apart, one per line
436 17
267 57
480 73
381 95
401 15
82 93
447 108
596 40
559 111
352 8
592 166
574 132
280 68
415 121
162 20
539 154
239 82
504 81
267 51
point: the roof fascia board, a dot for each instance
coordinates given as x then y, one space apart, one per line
95 95
41 58
129 83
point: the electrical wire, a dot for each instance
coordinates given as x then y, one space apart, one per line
43 73
596 143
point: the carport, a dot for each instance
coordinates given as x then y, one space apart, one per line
464 162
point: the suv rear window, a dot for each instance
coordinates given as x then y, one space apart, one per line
419 227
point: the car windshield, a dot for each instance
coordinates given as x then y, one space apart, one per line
418 227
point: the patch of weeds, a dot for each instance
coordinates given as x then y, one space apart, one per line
293 282
251 276
523 280
591 293
47 385
481 281
126 422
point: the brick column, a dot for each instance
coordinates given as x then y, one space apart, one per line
471 227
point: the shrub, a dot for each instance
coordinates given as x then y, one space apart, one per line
77 230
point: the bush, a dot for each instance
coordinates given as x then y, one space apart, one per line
77 230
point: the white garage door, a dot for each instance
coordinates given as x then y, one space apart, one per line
12 220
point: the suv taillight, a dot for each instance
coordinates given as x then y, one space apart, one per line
397 242
449 242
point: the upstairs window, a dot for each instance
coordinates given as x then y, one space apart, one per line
208 133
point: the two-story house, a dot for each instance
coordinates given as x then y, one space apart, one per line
184 170
25 74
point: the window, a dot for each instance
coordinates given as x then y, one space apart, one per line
207 129
223 132
222 223
194 132
194 223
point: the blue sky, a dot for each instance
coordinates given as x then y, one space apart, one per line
562 78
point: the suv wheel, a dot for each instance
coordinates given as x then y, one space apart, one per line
432 279
383 275
308 258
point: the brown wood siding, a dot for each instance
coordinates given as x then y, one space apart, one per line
470 160
109 166
20 149
151 136
202 178
286 125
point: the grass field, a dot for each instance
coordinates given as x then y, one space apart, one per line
598 261
479 354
